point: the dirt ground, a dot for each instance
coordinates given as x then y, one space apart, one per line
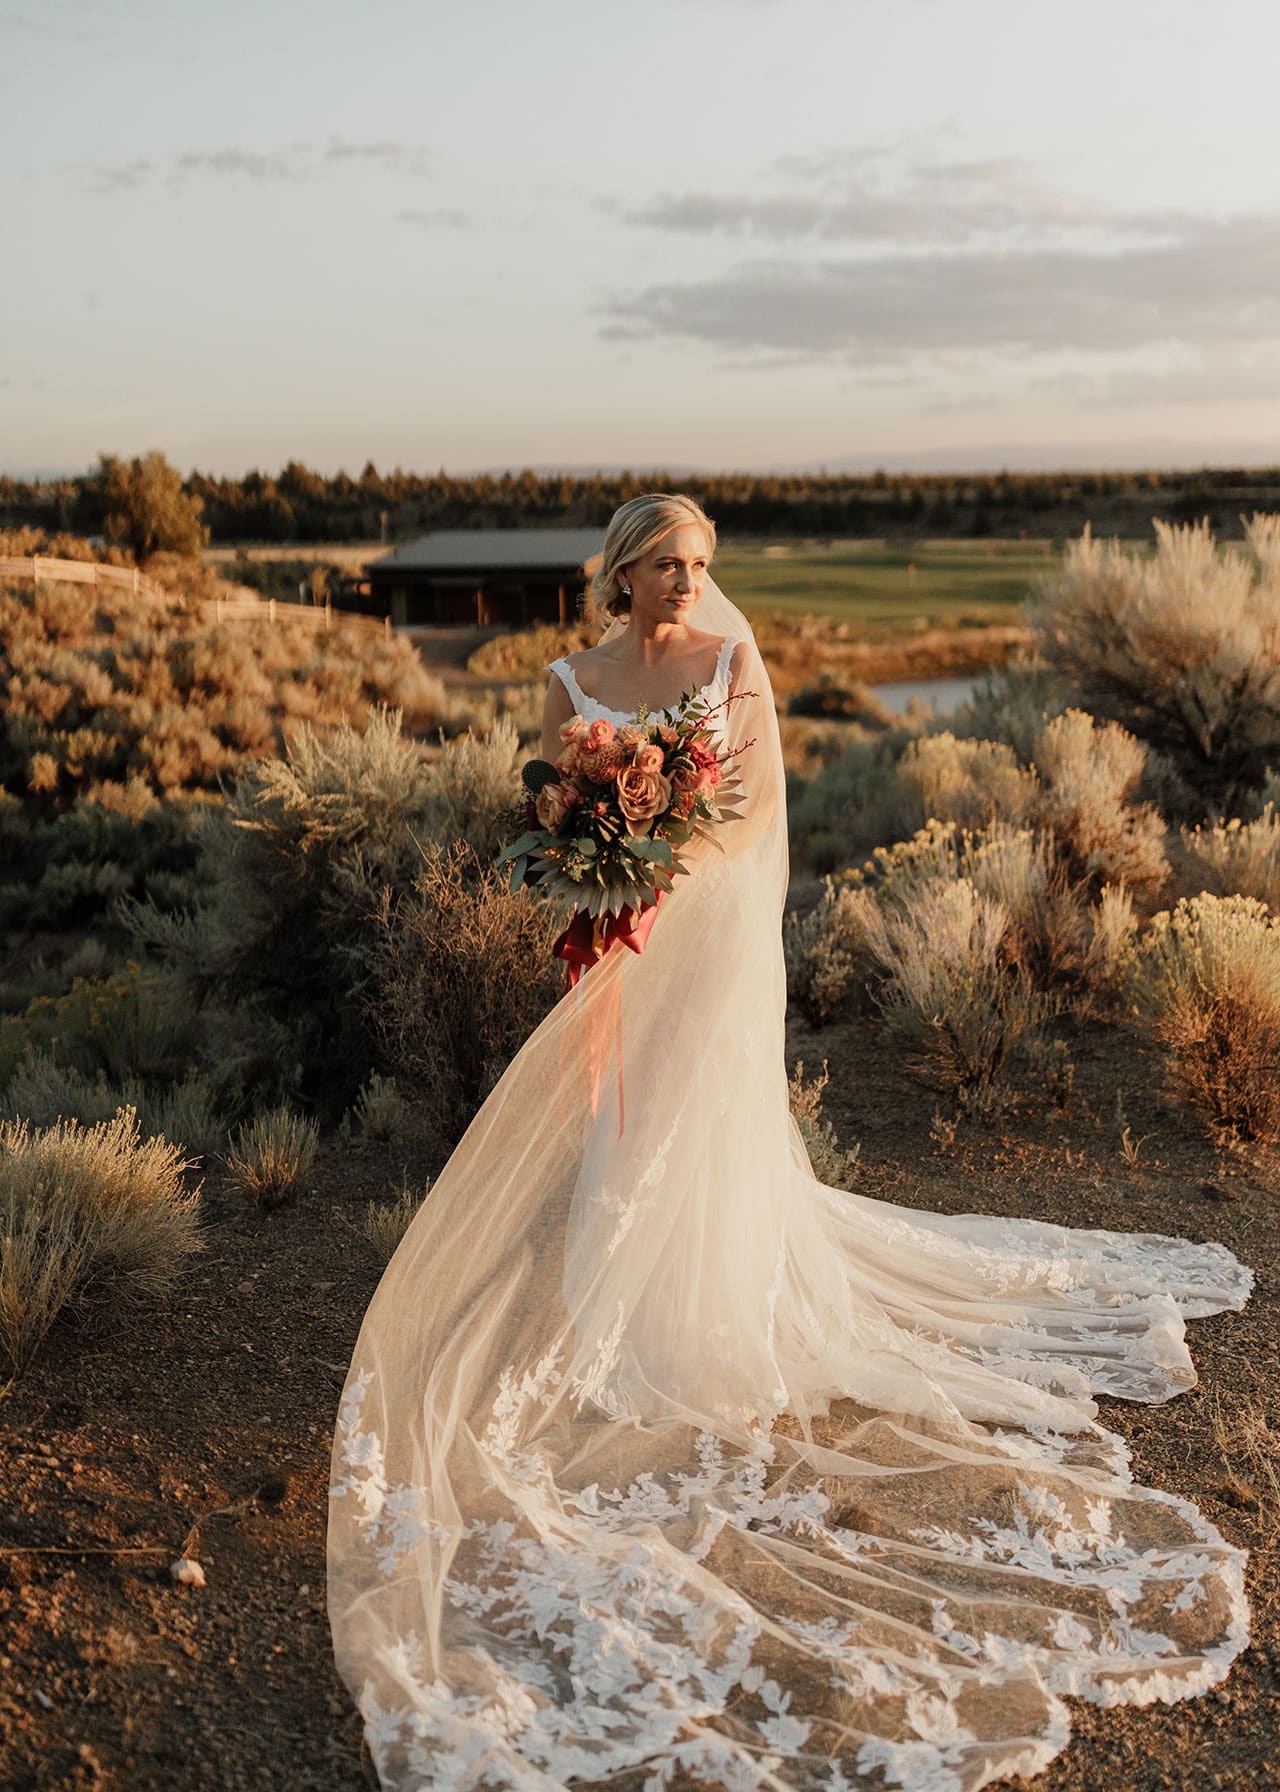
203 1429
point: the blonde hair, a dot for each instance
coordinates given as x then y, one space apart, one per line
634 528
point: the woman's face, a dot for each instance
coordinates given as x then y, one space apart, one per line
667 582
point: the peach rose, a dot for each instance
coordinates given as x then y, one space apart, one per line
553 803
642 794
649 759
630 735
573 731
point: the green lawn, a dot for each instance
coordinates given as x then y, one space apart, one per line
871 583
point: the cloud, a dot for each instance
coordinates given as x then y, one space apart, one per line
873 195
435 217
306 161
1213 283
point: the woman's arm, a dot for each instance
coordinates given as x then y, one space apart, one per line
555 712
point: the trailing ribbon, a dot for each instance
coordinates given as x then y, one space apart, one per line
583 943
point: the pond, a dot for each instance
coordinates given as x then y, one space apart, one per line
941 694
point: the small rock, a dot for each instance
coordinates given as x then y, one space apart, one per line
42 1699
245 1287
186 1572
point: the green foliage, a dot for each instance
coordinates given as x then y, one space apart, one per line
1204 981
147 510
463 973
1182 648
272 1156
92 1220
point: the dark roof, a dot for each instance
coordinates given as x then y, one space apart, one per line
466 549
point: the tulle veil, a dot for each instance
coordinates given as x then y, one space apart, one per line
660 1463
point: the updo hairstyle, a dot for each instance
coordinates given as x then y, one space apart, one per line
634 528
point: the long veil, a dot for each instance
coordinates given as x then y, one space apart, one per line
657 1458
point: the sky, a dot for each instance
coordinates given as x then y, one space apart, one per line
692 234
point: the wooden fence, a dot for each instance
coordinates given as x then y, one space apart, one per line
42 569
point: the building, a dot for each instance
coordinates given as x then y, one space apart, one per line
488 578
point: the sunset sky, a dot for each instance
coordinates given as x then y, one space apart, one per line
689 234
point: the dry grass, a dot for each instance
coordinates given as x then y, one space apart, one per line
386 1223
272 1155
91 1218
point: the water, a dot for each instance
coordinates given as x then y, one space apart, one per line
941 694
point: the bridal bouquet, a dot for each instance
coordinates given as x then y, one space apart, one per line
608 819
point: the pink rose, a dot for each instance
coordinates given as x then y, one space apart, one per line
553 803
642 794
649 759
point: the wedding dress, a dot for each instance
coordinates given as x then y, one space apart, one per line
660 1462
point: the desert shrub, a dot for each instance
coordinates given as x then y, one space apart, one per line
950 995
1182 648
1011 704
1090 774
132 1023
824 951
114 700
44 1090
1204 980
838 699
463 973
272 1154
831 1163
1113 924
1239 858
972 782
380 1111
293 869
849 806
528 653
386 1222
91 1219
473 792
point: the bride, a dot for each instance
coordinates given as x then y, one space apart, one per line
661 1463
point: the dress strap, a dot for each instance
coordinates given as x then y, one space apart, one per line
722 660
564 672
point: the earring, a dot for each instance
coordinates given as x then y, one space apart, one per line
626 591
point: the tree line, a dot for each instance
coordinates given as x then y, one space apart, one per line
298 504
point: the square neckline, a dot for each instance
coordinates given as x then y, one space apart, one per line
561 667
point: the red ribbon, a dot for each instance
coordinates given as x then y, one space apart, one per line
585 941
